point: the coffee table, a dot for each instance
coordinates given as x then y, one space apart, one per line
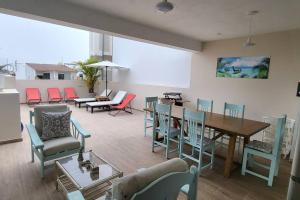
71 176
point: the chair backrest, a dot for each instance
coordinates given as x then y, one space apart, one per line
150 102
54 93
119 97
33 93
204 105
106 93
129 97
127 186
193 119
234 110
70 92
163 116
280 127
39 109
169 186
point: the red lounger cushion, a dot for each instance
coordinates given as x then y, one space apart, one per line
54 94
70 93
33 94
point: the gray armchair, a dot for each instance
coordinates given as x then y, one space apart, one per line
54 148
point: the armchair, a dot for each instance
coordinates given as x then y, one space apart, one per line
58 147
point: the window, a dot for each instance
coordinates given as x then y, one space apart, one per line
61 76
46 76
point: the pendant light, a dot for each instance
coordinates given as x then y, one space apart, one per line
164 6
249 42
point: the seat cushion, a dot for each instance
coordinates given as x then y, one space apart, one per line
56 125
60 144
260 146
124 188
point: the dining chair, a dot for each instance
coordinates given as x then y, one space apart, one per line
236 111
162 126
206 106
196 138
267 151
268 134
148 116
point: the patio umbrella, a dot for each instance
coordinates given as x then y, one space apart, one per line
107 65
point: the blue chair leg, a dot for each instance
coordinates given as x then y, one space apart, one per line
272 173
167 148
212 159
245 158
200 162
145 125
42 168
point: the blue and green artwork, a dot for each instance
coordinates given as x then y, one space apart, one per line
243 67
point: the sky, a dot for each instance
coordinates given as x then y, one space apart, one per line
33 41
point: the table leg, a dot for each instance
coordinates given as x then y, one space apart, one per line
230 155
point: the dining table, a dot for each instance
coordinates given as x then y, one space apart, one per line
224 125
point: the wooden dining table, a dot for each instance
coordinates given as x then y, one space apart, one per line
231 126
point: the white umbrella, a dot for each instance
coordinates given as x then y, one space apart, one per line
106 64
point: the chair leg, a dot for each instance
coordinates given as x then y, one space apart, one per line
212 158
272 172
145 124
42 168
167 148
32 155
200 162
277 167
245 158
153 138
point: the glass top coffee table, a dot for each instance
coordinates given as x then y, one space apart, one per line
92 176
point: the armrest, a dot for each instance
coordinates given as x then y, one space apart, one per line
82 131
76 195
35 138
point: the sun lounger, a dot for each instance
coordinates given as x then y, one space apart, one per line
126 103
70 94
54 95
33 95
106 104
80 101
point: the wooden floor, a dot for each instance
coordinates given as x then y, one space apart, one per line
121 141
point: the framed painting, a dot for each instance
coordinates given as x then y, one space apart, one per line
243 67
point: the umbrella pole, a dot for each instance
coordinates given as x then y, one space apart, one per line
106 80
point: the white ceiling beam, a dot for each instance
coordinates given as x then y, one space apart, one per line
68 14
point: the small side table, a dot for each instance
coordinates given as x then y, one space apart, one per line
102 98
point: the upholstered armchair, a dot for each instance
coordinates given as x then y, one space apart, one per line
58 147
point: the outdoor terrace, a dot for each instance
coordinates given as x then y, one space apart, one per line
121 141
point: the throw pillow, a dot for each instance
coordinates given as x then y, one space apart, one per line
55 124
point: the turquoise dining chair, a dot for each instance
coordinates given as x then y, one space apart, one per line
267 151
196 138
162 126
206 106
150 102
237 111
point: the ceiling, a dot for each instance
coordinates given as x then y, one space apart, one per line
205 19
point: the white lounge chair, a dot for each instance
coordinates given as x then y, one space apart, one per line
80 101
106 104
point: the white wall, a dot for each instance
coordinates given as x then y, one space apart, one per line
79 86
272 96
151 64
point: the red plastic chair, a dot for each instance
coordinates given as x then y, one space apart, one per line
70 94
126 103
54 95
33 95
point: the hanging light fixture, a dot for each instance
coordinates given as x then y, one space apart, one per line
164 6
249 42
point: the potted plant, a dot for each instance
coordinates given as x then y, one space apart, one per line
90 74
